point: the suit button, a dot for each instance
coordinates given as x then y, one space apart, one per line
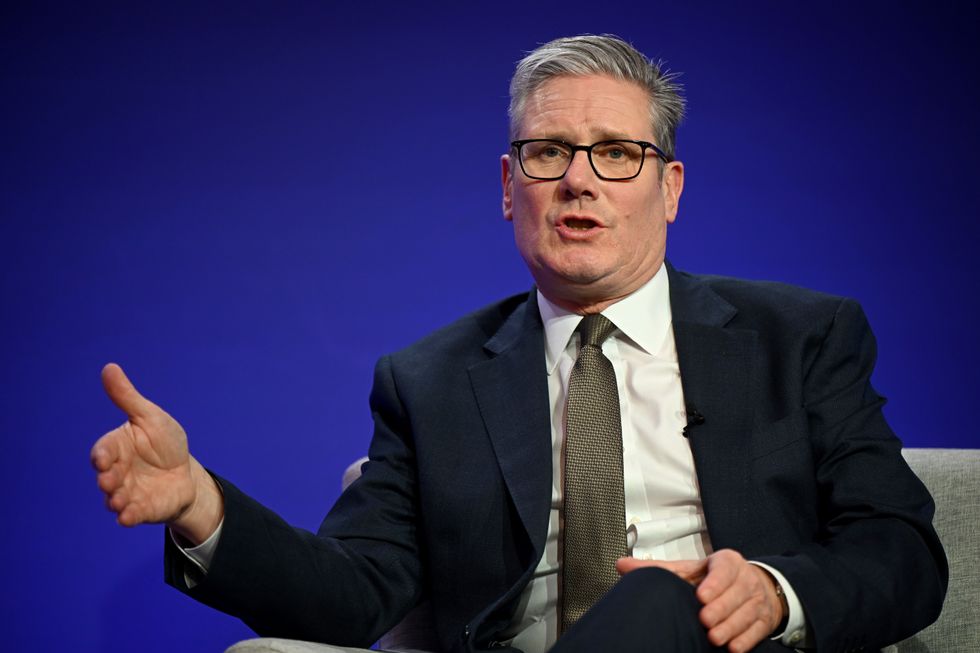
466 631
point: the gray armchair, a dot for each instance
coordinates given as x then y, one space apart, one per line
953 478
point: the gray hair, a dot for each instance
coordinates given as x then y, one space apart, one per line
600 55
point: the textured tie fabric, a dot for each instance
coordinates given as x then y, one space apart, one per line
594 514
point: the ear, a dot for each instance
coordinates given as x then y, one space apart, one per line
672 186
507 182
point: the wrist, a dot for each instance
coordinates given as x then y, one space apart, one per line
202 515
777 600
783 606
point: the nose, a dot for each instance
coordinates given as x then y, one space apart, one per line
580 179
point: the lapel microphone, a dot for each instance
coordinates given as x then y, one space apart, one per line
694 418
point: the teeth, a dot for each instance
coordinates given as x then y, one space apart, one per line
579 224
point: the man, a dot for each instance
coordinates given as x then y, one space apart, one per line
745 461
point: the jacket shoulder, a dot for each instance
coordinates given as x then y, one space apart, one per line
463 339
761 303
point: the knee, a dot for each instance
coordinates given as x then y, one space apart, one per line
657 589
649 609
654 580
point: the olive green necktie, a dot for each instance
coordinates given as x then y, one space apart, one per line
594 515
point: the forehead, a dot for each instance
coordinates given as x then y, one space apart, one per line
583 107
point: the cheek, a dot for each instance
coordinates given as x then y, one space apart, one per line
651 208
527 235
648 231
523 210
530 212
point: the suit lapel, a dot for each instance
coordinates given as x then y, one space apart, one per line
511 389
717 373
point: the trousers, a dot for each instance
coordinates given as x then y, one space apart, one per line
649 610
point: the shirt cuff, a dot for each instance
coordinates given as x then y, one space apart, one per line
201 555
795 632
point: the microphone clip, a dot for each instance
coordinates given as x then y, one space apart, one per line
694 418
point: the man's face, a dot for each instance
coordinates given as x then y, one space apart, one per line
587 241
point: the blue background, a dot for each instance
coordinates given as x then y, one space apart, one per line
246 203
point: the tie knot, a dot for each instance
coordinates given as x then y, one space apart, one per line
594 329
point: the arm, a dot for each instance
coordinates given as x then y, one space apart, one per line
861 556
345 585
348 583
875 571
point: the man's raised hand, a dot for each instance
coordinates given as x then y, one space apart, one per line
145 470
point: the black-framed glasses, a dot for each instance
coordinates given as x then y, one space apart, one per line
616 160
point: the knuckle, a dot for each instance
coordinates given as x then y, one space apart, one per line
708 617
730 555
717 636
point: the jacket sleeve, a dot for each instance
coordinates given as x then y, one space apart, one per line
348 583
876 572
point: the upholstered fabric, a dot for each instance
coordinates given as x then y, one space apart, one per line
953 478
277 645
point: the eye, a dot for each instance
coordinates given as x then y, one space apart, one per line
550 151
612 151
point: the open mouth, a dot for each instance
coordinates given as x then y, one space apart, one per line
580 224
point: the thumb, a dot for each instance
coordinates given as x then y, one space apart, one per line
690 570
122 392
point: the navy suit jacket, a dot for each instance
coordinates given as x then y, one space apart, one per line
796 465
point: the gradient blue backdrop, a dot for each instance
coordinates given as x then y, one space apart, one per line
246 203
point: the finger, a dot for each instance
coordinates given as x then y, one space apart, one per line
690 570
124 394
627 564
117 501
722 608
107 450
745 607
745 628
128 516
108 481
104 453
748 639
723 569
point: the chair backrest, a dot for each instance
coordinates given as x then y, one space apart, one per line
953 478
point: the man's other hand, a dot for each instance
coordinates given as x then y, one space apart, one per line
145 470
741 607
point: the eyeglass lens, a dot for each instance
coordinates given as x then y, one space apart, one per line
611 159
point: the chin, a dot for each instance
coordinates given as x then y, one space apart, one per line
583 270
585 284
574 274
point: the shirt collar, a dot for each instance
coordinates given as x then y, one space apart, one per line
642 317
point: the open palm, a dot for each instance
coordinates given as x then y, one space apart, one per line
143 466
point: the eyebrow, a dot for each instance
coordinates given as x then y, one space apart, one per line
602 136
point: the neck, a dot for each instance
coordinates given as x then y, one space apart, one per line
586 300
583 308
